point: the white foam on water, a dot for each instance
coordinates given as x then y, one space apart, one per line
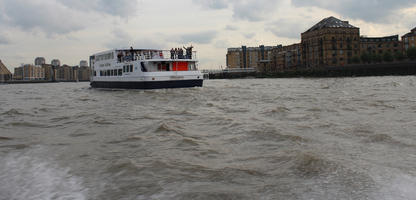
401 187
25 176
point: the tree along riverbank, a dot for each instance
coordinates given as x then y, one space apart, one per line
384 69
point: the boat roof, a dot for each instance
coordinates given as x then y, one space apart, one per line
113 50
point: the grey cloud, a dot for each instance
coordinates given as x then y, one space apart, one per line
122 39
121 8
4 40
250 10
60 16
200 38
48 16
374 11
249 35
222 44
289 27
231 28
212 4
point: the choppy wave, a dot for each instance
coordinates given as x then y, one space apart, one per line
349 138
25 176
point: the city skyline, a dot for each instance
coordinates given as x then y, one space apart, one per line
74 30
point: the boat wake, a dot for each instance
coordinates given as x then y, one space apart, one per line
26 176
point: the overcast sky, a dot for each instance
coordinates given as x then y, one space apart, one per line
72 30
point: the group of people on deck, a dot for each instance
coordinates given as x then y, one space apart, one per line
177 53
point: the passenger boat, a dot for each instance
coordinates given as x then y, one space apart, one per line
145 69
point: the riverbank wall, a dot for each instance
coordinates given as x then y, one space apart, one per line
384 69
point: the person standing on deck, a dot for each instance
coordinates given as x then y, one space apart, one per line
172 53
119 56
180 53
188 52
132 53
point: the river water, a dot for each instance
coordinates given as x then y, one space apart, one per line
335 138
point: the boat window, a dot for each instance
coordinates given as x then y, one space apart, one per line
144 69
131 68
120 72
107 56
124 69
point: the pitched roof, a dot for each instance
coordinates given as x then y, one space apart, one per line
411 33
331 22
3 69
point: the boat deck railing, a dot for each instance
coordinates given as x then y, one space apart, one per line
156 55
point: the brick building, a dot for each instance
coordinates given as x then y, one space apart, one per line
331 42
380 45
409 39
49 72
289 57
84 73
233 58
249 57
67 73
29 72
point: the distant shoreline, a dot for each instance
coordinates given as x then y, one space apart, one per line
383 69
37 82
